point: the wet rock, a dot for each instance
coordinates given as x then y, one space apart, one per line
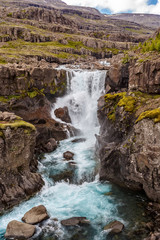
63 114
65 176
72 164
75 221
35 215
68 155
78 140
114 227
51 145
18 230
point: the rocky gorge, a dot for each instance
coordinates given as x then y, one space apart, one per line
48 125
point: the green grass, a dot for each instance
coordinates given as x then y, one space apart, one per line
150 45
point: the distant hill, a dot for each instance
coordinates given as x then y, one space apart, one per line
148 20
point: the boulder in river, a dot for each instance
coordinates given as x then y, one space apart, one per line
68 155
63 114
19 230
78 140
75 221
66 175
51 145
35 215
115 227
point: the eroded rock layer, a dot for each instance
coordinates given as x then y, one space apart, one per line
18 181
129 141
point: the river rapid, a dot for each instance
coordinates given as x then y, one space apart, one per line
85 195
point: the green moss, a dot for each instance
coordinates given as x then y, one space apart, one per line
35 93
10 14
125 59
1 134
151 114
17 124
110 96
128 102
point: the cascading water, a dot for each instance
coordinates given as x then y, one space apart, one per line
85 196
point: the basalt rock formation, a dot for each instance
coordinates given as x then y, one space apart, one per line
129 141
17 145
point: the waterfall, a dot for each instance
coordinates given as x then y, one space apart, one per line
83 90
84 196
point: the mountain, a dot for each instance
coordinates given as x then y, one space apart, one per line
148 20
53 31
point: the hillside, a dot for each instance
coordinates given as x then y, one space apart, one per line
57 33
148 20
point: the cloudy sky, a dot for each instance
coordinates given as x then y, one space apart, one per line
119 6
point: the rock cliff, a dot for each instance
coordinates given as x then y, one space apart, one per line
18 181
129 141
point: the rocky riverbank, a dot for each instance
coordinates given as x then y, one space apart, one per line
19 181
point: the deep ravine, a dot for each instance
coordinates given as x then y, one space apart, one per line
84 196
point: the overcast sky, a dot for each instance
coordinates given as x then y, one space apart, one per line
119 6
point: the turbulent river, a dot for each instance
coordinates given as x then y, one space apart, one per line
85 196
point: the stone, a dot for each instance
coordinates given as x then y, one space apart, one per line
51 145
114 227
63 114
65 176
75 221
19 230
35 215
78 140
68 155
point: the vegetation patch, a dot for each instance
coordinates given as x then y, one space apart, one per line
134 102
152 114
17 124
150 45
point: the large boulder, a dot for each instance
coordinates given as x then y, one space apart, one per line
63 114
51 145
114 227
19 230
66 176
35 215
68 155
75 221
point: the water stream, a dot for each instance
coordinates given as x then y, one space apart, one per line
83 196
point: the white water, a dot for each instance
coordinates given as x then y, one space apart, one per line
64 200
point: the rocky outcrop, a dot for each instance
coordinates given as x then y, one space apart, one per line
128 72
63 114
19 230
35 215
75 221
18 181
145 76
114 227
117 76
29 93
129 141
23 80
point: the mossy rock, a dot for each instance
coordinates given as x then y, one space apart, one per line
140 105
152 114
17 124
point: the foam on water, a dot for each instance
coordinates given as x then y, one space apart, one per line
88 198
